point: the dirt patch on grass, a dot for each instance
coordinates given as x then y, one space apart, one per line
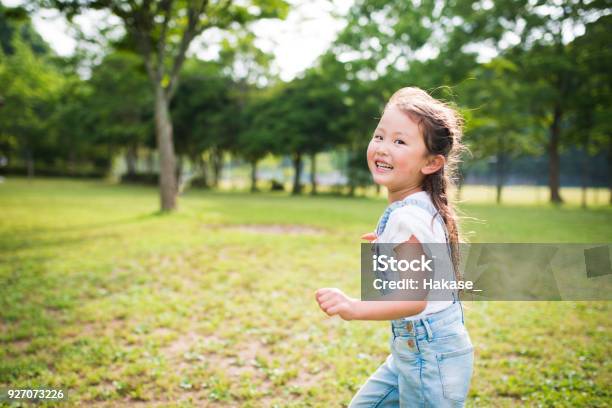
278 229
18 346
214 350
236 362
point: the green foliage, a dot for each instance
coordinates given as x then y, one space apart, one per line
244 61
258 136
120 102
298 118
306 110
540 81
161 32
590 126
74 131
206 112
30 89
15 24
361 106
498 120
530 96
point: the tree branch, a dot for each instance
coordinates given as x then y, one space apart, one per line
166 7
139 22
192 30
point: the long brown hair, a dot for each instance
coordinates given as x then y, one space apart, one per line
442 128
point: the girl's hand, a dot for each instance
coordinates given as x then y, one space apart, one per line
370 236
334 302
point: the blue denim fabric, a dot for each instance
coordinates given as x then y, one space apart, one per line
430 364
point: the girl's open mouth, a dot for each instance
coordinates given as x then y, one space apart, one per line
382 166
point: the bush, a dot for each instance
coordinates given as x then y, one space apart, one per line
276 186
51 172
199 182
140 178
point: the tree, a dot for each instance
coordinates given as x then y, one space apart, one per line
388 45
258 137
589 108
304 119
250 69
30 90
322 103
120 105
434 43
72 129
17 36
162 31
15 23
204 113
362 103
534 35
498 122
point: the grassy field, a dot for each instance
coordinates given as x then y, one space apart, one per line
214 305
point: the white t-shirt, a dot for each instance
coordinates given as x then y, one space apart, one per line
412 220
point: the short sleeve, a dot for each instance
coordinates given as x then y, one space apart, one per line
412 220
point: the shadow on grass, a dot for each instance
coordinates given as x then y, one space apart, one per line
38 238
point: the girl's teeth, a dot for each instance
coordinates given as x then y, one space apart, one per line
383 166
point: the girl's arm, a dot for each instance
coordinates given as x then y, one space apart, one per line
333 301
389 310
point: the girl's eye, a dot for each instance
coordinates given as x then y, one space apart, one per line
377 137
400 141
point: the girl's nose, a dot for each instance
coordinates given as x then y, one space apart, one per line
382 150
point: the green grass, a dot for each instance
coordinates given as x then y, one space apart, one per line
214 305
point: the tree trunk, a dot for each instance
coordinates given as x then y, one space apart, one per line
203 170
253 176
217 166
72 162
165 146
150 162
351 191
131 155
110 155
313 173
30 163
585 172
499 171
553 157
200 169
610 168
179 171
297 175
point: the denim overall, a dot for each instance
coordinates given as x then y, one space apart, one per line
431 358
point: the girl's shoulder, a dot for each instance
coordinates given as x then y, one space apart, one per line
410 216
412 219
413 209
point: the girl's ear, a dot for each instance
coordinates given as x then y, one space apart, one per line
434 163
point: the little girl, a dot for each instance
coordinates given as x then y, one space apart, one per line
413 153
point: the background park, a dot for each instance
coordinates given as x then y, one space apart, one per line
172 194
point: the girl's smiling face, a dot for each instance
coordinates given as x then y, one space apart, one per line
397 155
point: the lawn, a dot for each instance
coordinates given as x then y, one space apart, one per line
214 305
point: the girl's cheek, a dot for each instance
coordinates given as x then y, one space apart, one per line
370 151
